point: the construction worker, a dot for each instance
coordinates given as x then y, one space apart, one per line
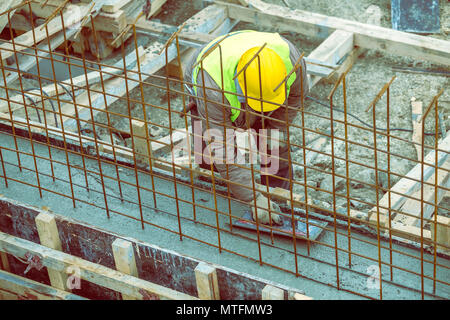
249 101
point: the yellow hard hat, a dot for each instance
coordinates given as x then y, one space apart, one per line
273 72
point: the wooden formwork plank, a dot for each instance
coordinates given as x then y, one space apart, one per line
95 93
410 232
413 207
442 234
51 90
207 284
160 145
155 27
124 152
116 20
299 296
345 65
110 22
272 293
19 23
4 263
90 271
20 288
416 115
49 237
124 259
142 146
55 39
112 6
197 39
407 186
177 135
155 7
332 50
319 25
26 62
373 14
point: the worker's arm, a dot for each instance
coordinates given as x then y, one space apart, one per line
216 118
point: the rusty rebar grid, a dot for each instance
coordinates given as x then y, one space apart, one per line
92 149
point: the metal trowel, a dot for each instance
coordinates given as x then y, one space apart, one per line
315 227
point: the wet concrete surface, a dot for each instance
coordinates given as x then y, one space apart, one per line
239 248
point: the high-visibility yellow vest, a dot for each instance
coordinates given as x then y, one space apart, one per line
232 47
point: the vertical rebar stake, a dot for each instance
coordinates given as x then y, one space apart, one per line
27 118
42 94
374 130
58 100
144 111
188 136
169 111
133 144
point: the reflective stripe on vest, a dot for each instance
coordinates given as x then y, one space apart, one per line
231 49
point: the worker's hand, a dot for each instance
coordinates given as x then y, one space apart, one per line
263 213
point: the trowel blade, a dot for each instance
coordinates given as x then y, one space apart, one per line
315 227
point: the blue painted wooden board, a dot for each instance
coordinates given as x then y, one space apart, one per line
418 16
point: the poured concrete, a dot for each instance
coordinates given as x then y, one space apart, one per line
317 271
